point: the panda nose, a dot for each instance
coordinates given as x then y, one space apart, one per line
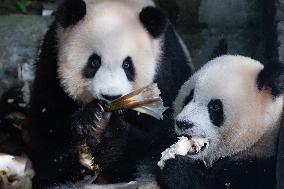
183 125
111 97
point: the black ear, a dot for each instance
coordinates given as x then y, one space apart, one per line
220 49
154 21
272 78
70 12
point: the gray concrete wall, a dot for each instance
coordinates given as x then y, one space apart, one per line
20 38
203 23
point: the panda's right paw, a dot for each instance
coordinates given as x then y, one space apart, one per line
89 122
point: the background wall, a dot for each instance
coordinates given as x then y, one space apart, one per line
246 25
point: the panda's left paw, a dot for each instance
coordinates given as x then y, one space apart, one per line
180 173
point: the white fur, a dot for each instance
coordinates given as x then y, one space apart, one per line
251 119
112 30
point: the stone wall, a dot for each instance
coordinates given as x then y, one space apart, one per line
203 23
20 38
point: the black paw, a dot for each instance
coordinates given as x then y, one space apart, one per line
180 173
90 121
100 135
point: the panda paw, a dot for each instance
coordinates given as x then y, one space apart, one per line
100 135
180 173
89 122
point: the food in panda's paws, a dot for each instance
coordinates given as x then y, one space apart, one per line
198 144
86 159
146 100
183 147
15 172
179 148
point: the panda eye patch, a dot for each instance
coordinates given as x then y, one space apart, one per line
93 65
128 68
189 98
216 113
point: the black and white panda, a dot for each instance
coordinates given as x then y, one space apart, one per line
236 104
101 50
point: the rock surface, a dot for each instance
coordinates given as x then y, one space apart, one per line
20 38
204 23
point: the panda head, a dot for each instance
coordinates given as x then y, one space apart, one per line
235 102
108 48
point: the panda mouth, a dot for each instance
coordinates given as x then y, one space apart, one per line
198 145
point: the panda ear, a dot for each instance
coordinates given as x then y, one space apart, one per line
154 21
272 78
70 12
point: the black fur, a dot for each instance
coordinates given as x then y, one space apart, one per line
70 12
92 66
11 141
183 173
53 155
173 69
189 98
180 173
129 139
184 125
129 68
216 112
272 78
154 21
114 138
220 49
12 116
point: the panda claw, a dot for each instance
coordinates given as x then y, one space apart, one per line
101 107
98 118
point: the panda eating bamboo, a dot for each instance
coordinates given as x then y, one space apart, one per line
233 105
100 50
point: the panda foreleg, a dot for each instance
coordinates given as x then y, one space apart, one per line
85 123
181 173
102 132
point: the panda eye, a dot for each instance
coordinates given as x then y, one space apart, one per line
216 113
127 64
128 68
95 63
215 107
189 98
92 66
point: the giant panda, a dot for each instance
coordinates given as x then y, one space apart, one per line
236 103
99 50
